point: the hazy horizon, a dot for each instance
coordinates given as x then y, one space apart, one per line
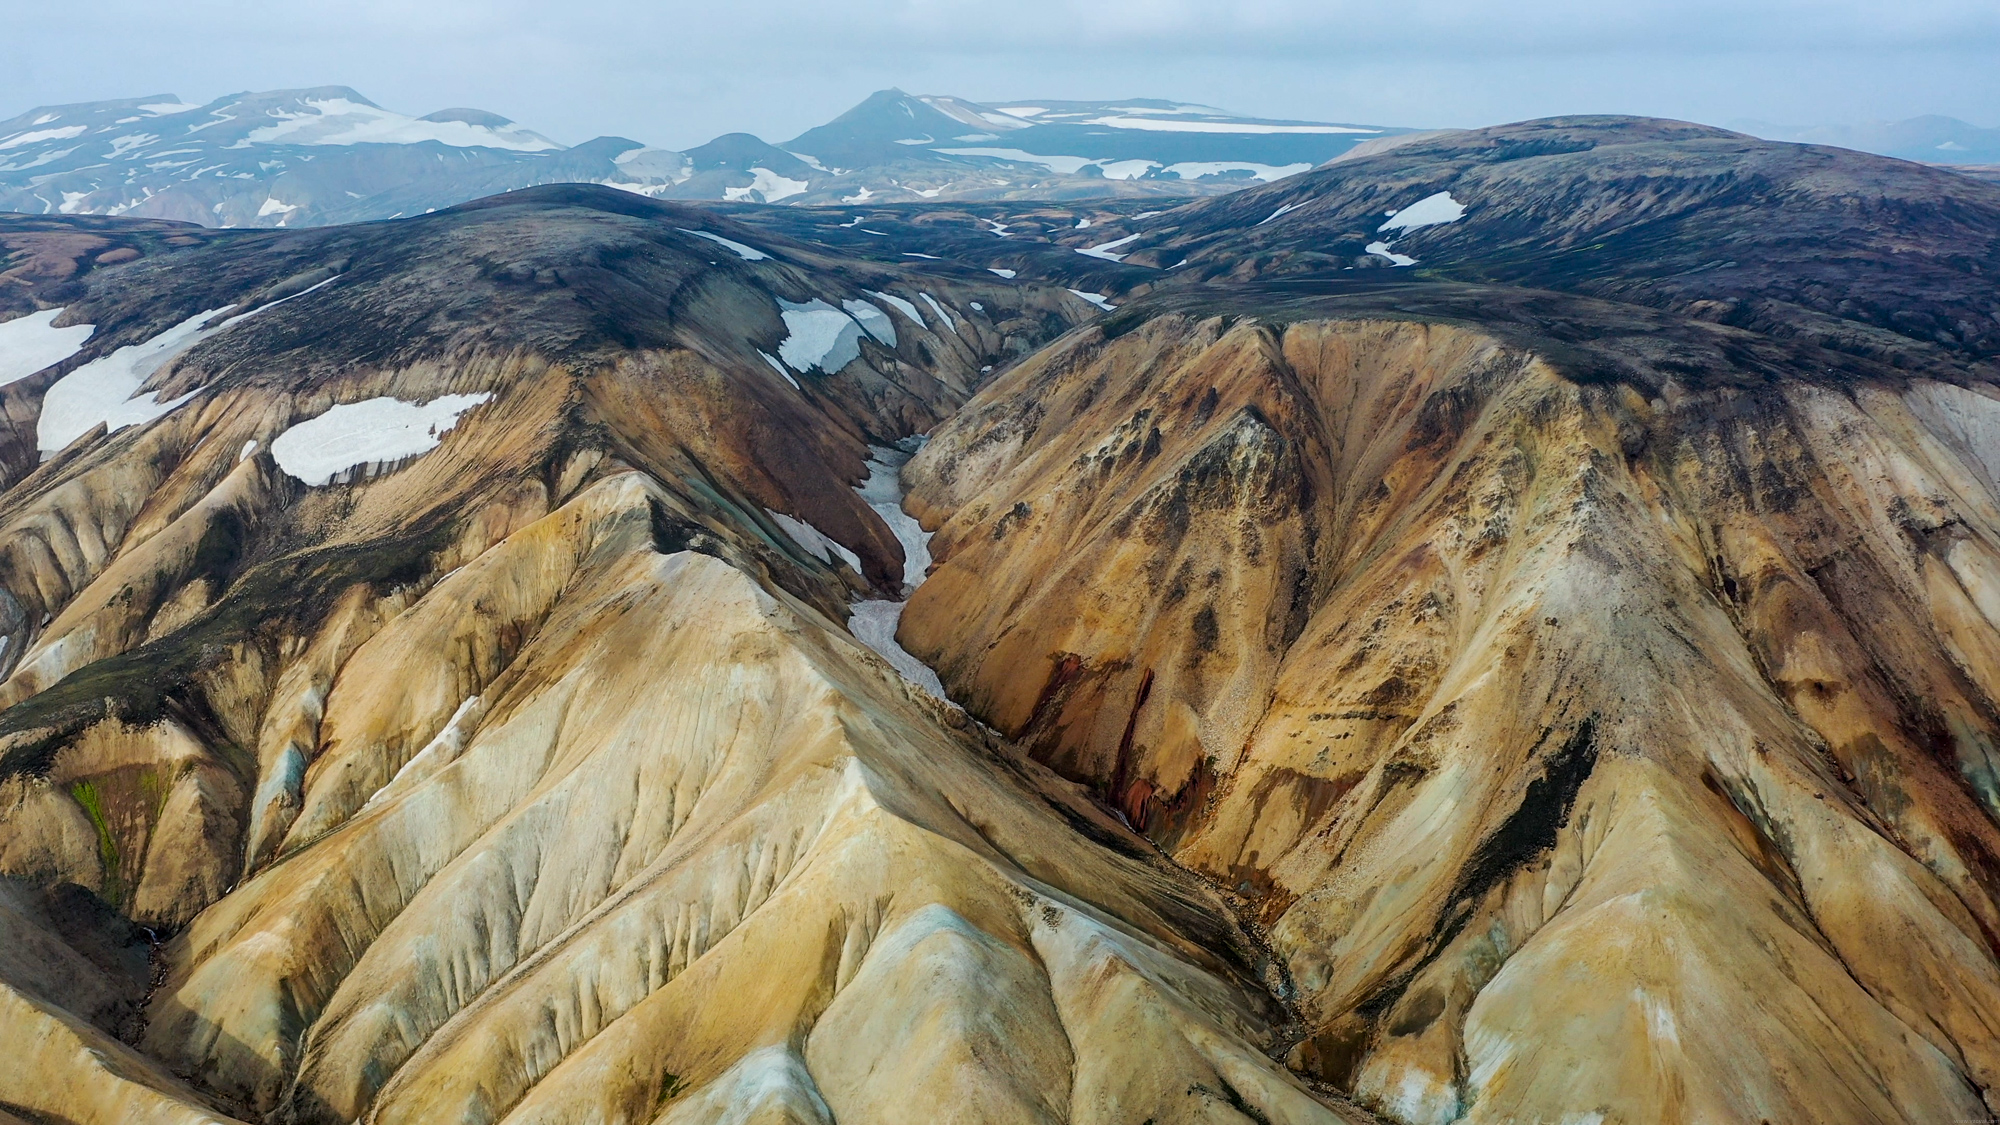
676 76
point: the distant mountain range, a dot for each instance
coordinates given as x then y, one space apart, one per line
1930 140
328 154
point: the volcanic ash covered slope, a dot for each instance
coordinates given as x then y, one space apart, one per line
522 768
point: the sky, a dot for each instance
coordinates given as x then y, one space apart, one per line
675 73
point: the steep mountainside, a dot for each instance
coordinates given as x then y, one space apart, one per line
1591 690
438 628
1502 627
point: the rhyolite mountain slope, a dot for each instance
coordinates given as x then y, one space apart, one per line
524 766
1499 628
1578 644
291 158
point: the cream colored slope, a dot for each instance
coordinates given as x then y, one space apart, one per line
1506 607
62 1069
694 825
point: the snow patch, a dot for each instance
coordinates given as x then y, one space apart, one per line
747 253
1280 213
34 135
818 335
768 186
1104 249
107 388
1381 250
1008 274
1066 165
1156 125
337 121
907 308
949 320
360 433
780 369
244 453
1430 211
1196 169
815 542
440 752
30 343
872 320
1095 299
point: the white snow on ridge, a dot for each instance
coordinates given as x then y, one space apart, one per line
107 388
1066 165
1104 249
1159 125
747 253
769 186
818 335
1279 213
815 542
1008 274
359 433
1133 169
1429 211
33 136
1095 299
337 121
30 343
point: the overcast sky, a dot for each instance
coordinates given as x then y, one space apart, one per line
676 73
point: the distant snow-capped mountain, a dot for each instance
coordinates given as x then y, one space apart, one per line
1931 139
328 154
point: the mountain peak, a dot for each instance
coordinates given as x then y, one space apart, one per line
477 117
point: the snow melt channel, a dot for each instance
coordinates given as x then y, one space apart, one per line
874 622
